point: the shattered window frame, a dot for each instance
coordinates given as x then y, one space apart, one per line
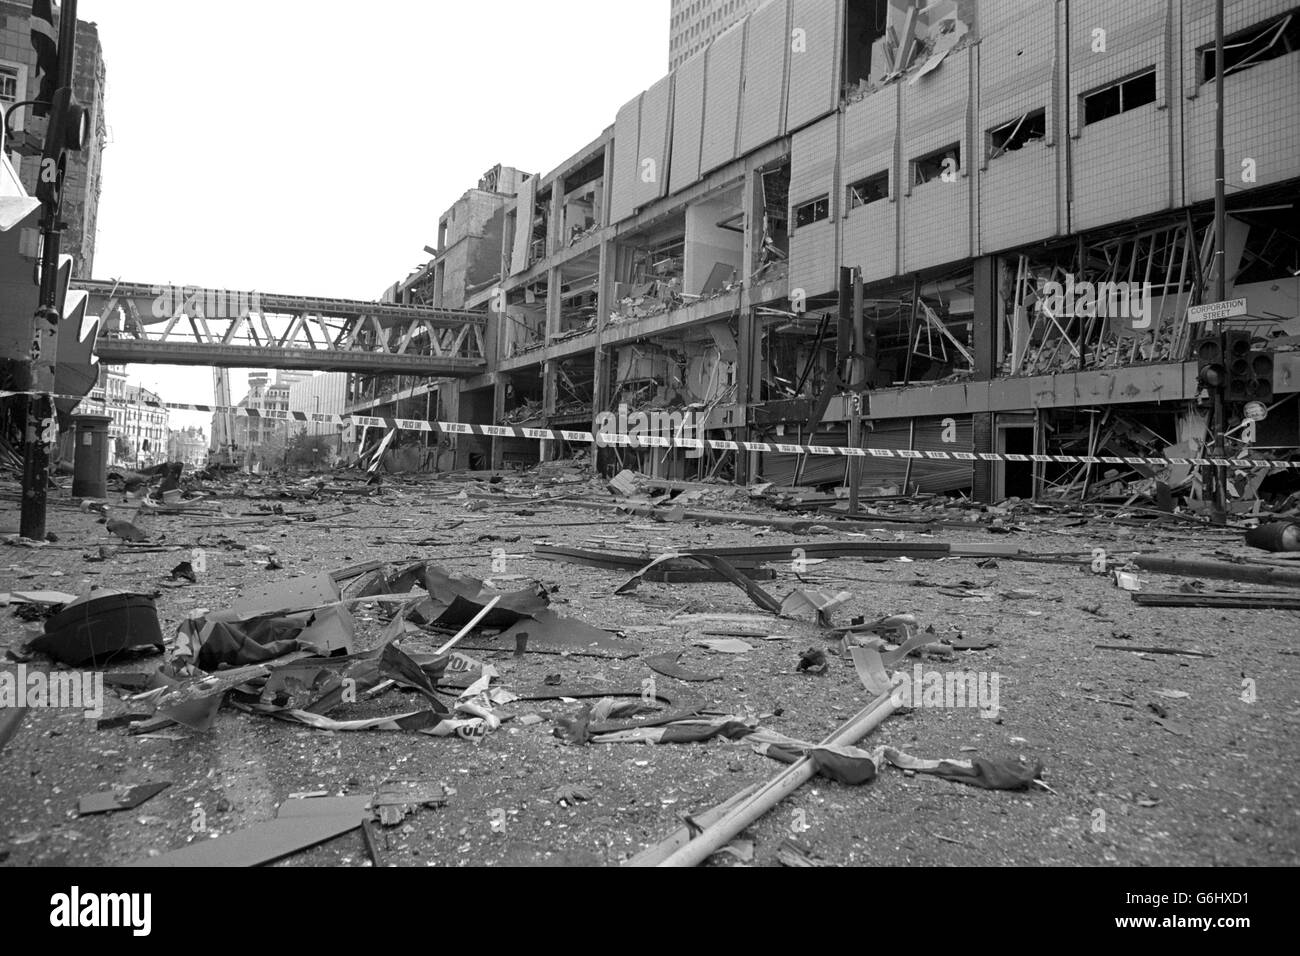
928 168
1260 43
870 189
1127 95
813 211
1030 127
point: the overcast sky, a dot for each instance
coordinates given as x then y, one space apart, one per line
309 146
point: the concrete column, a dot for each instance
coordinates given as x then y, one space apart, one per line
986 318
554 306
550 399
498 413
749 386
555 239
748 372
982 440
752 203
604 304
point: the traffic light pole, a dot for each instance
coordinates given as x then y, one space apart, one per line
1220 513
40 428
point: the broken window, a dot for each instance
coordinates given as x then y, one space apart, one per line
865 23
1030 128
869 190
776 208
1254 46
942 164
1272 248
1119 97
811 212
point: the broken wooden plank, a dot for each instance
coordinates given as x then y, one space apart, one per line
1259 602
1170 651
1218 570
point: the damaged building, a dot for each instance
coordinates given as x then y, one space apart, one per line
993 221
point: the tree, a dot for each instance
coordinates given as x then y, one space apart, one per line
121 449
307 451
270 451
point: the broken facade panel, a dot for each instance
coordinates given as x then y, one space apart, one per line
688 122
655 143
724 76
762 112
627 139
815 57
520 256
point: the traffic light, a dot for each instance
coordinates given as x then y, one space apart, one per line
1261 377
1211 370
69 128
1241 376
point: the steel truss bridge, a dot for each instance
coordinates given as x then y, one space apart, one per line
170 325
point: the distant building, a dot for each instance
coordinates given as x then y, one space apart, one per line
695 23
325 394
138 433
144 426
261 437
188 446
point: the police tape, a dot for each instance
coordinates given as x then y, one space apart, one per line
604 438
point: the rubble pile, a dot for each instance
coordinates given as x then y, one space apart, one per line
628 615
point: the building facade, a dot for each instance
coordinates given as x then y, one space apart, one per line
18 82
1020 196
143 426
324 394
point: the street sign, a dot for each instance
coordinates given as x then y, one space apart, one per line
1217 311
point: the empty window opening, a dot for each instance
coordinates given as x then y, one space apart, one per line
942 164
865 23
776 211
869 190
1254 46
1030 128
811 212
1119 97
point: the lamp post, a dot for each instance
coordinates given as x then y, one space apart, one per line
1220 510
